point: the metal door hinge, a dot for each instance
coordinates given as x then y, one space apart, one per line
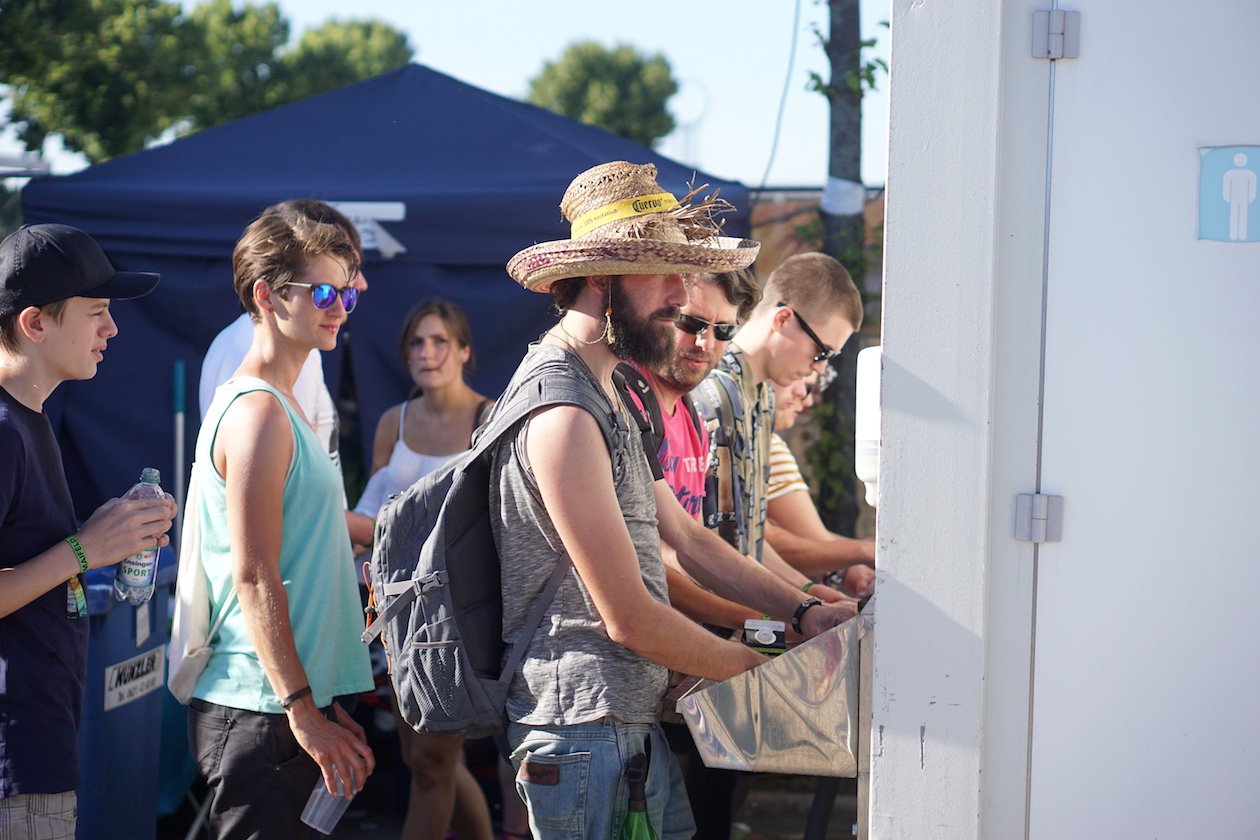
1038 518
1056 34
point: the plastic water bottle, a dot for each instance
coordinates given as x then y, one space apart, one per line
136 575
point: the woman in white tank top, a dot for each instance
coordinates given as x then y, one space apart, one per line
412 439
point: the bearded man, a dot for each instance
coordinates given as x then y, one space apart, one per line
586 697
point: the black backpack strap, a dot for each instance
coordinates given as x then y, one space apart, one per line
627 380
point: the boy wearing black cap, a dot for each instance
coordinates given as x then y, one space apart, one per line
55 289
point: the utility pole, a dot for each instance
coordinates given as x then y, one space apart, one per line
843 238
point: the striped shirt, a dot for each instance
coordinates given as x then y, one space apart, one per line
785 474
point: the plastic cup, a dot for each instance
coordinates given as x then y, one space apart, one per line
323 810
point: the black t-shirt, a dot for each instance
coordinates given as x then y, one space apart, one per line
42 652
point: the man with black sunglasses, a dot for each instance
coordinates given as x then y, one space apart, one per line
716 305
809 308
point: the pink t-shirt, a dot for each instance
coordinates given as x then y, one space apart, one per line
684 455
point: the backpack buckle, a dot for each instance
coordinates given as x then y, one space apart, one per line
427 582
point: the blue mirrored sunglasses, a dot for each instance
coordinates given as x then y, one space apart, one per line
323 295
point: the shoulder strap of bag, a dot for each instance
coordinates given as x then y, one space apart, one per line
193 563
724 409
628 379
692 412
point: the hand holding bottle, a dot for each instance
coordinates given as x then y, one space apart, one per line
120 528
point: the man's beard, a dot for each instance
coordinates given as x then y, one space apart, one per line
683 378
648 341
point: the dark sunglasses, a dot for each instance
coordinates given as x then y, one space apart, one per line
692 325
824 353
323 295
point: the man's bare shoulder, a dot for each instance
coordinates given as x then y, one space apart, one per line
565 424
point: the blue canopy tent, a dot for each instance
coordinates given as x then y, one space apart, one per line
446 182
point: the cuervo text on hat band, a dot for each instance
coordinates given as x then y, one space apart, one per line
624 209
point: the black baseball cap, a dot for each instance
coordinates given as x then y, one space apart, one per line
42 264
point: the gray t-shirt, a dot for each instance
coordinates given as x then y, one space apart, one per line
572 672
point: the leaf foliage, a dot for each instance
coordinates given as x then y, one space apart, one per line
112 76
616 88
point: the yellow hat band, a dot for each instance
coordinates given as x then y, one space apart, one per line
624 209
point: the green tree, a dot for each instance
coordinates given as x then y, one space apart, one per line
327 57
94 72
113 75
618 89
229 69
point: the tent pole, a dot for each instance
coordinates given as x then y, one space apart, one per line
179 448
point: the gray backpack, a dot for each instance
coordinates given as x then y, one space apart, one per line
434 580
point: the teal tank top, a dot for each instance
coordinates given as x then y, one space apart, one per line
316 566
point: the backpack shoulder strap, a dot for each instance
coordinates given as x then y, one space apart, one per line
542 391
723 407
629 382
694 413
632 380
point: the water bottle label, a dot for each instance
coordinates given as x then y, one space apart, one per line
137 570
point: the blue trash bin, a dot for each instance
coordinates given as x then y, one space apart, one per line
120 736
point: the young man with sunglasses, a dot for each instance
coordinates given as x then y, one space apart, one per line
264 720
227 350
56 286
809 308
716 305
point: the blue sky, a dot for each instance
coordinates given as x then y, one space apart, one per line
731 60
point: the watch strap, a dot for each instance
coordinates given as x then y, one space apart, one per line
800 613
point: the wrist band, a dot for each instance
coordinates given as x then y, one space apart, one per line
78 553
800 613
807 585
304 691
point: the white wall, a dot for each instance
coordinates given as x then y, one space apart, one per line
1139 627
941 232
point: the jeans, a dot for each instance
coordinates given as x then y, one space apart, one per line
572 779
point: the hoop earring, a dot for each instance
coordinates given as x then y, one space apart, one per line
606 335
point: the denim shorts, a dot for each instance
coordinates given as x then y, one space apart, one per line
572 779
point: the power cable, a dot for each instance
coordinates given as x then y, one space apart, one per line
787 81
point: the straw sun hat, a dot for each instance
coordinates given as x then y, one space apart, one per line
624 223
